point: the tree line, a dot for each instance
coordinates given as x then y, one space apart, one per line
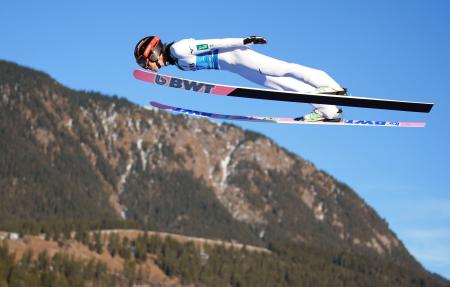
203 265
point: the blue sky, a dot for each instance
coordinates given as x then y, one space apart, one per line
384 48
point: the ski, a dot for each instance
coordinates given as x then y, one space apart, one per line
276 95
342 122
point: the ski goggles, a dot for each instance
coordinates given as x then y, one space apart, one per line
145 62
151 53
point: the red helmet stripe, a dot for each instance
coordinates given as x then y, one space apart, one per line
151 46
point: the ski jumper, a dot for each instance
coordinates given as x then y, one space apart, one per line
232 55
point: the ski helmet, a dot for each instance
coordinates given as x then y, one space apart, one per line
148 49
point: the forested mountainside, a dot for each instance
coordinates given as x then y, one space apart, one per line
82 160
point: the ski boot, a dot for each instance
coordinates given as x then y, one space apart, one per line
317 116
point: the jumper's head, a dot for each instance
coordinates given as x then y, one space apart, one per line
148 51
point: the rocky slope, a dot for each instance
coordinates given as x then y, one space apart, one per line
82 155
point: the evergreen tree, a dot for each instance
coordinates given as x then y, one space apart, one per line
27 258
154 245
113 244
125 249
140 252
98 244
43 261
129 271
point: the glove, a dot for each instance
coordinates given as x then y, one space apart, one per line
254 40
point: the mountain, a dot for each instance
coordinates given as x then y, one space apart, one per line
87 159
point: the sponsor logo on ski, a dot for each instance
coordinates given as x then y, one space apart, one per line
371 123
184 84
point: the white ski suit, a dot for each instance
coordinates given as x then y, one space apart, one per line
232 55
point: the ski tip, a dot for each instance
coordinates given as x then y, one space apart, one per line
137 74
140 73
160 106
144 76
